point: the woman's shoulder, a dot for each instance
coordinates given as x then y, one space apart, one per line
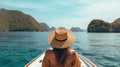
72 55
49 52
72 52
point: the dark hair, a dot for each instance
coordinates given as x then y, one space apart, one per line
61 54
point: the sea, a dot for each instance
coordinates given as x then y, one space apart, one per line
18 48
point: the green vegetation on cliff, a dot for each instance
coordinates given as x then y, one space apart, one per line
98 25
116 25
14 20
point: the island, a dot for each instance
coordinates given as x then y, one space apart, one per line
76 29
98 25
52 28
14 20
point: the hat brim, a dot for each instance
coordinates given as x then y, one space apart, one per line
64 44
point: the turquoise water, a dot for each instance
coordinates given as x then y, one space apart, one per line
18 48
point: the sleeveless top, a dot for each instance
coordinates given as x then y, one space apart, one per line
76 63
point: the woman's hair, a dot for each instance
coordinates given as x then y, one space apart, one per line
61 54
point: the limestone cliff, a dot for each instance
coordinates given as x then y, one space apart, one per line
116 25
97 25
14 20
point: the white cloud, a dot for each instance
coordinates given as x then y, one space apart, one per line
20 4
108 10
28 5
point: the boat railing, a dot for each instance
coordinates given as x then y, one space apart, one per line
87 61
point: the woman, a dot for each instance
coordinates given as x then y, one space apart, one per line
61 56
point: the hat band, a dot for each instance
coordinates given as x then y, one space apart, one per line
61 40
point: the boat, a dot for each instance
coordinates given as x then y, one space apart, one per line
37 62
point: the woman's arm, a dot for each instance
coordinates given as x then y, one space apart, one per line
45 62
76 62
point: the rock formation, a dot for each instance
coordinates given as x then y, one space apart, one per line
14 20
76 29
98 25
52 28
44 27
116 25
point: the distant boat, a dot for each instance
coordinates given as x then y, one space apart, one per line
37 62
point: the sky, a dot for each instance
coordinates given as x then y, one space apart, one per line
67 13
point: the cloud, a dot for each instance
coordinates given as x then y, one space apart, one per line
28 5
20 4
108 10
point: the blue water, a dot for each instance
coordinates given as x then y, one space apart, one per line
18 48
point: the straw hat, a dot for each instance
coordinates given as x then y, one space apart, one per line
61 38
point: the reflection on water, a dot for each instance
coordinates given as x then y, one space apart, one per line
18 48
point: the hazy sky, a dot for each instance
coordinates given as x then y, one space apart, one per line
68 13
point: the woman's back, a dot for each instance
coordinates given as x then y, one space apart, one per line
50 59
